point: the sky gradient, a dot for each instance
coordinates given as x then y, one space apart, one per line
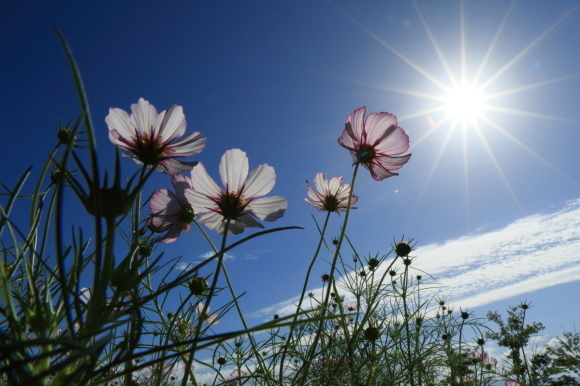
492 202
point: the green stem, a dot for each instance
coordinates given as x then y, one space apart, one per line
290 334
208 301
306 366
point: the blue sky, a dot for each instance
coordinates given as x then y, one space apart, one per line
494 208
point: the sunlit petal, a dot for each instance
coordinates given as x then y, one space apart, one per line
234 170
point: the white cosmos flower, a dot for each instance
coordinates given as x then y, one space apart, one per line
237 201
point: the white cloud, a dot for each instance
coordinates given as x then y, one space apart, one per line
209 254
532 253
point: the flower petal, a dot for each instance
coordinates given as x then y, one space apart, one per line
173 233
322 185
378 173
119 121
396 142
213 221
392 163
268 208
180 184
200 203
172 166
171 124
313 194
203 183
355 123
334 186
143 117
190 145
378 126
260 181
234 170
164 202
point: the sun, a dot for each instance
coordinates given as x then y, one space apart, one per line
464 102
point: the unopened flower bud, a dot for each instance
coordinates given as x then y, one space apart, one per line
481 341
221 361
403 249
66 137
198 286
372 333
373 263
114 202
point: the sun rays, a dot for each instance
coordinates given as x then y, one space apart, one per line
463 106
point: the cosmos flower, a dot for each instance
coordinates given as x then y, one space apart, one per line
207 317
351 306
237 202
238 374
487 360
171 212
151 138
330 196
373 142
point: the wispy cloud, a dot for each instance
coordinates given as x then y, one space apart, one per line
529 254
209 254
255 254
182 266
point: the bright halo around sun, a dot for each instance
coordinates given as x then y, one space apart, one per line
464 103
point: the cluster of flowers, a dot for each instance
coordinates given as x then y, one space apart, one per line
152 139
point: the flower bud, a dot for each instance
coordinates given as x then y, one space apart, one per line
66 137
221 361
145 251
39 316
114 202
373 263
403 249
372 333
198 286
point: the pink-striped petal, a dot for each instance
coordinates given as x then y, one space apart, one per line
173 233
164 202
396 143
355 123
378 125
377 172
392 163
